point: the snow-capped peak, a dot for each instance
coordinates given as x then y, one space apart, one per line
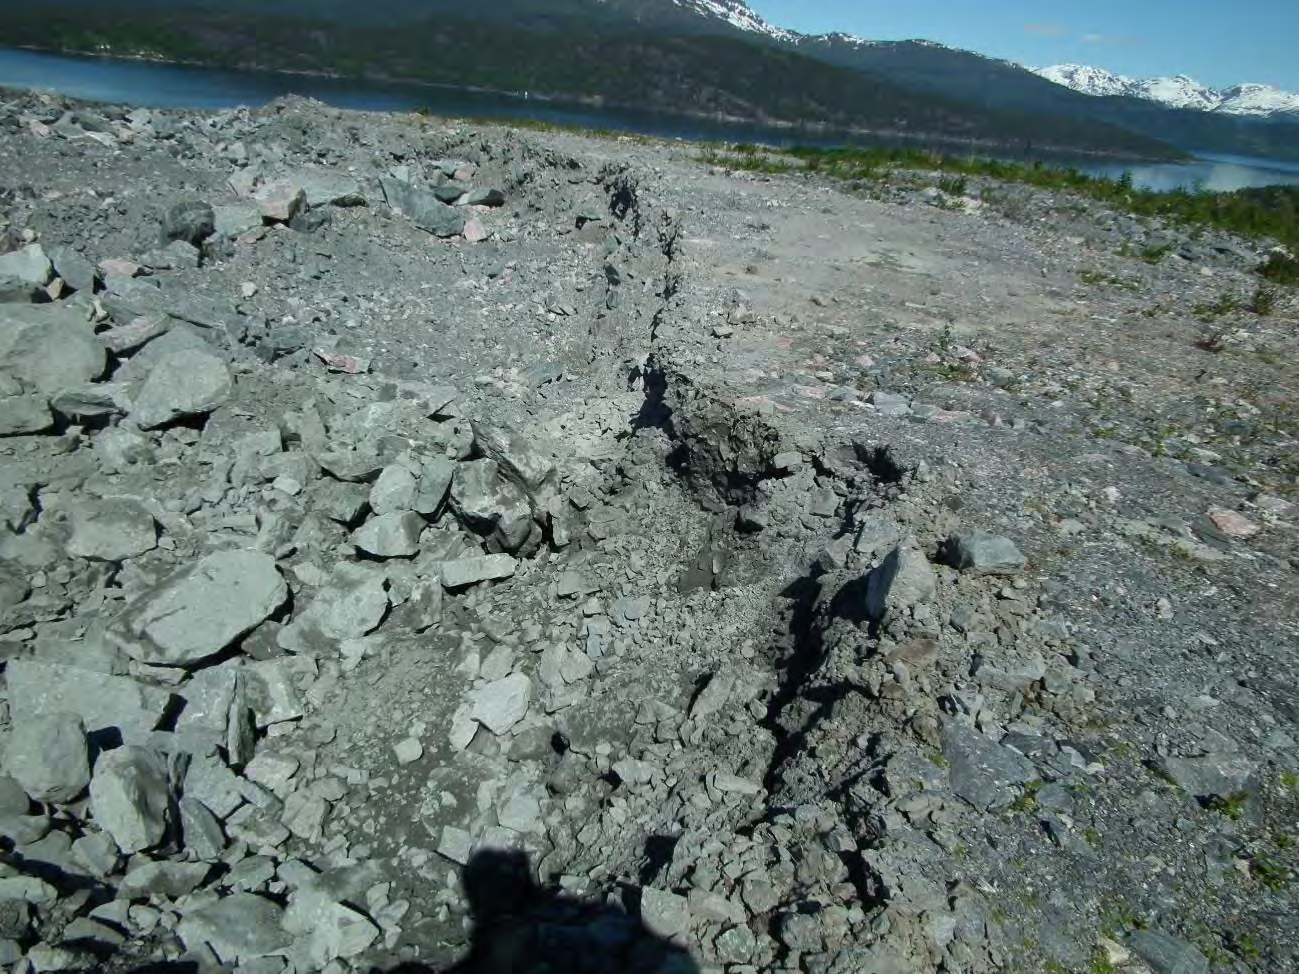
1176 92
738 15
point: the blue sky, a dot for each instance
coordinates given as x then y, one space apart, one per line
1219 43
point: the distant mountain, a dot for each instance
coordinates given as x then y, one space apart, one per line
1262 101
713 58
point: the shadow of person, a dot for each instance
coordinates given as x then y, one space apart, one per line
521 927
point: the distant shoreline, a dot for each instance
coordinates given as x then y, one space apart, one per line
823 132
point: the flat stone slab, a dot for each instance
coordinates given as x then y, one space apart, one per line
501 704
101 700
985 773
188 382
112 529
241 927
984 554
203 609
471 571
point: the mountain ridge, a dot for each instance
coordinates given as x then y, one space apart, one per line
1178 91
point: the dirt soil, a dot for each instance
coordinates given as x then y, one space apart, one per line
427 543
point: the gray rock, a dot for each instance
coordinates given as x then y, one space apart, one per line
101 701
14 291
665 913
236 219
394 535
96 853
76 270
25 415
191 222
489 503
394 491
241 927
200 830
986 774
435 478
47 755
1212 776
50 347
984 554
471 571
176 256
130 796
185 383
1167 954
501 704
890 404
201 610
84 930
352 604
423 208
111 529
94 401
485 197
519 460
902 581
165 878
326 187
30 265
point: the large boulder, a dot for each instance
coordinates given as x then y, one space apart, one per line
423 208
202 610
47 755
49 347
188 382
130 796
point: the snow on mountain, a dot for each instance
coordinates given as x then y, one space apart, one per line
737 14
1176 92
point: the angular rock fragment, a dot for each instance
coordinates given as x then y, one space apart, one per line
170 879
50 347
501 704
394 491
130 796
185 383
102 701
394 535
1167 954
47 754
423 208
30 265
984 554
986 774
491 504
25 415
902 581
112 529
280 202
240 927
471 571
1221 776
192 222
519 460
203 609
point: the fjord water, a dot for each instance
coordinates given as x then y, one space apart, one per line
156 85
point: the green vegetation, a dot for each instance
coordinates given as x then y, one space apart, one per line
1097 277
567 58
1268 213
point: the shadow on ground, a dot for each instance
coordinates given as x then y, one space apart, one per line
521 927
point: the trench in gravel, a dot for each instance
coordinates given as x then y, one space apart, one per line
721 456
